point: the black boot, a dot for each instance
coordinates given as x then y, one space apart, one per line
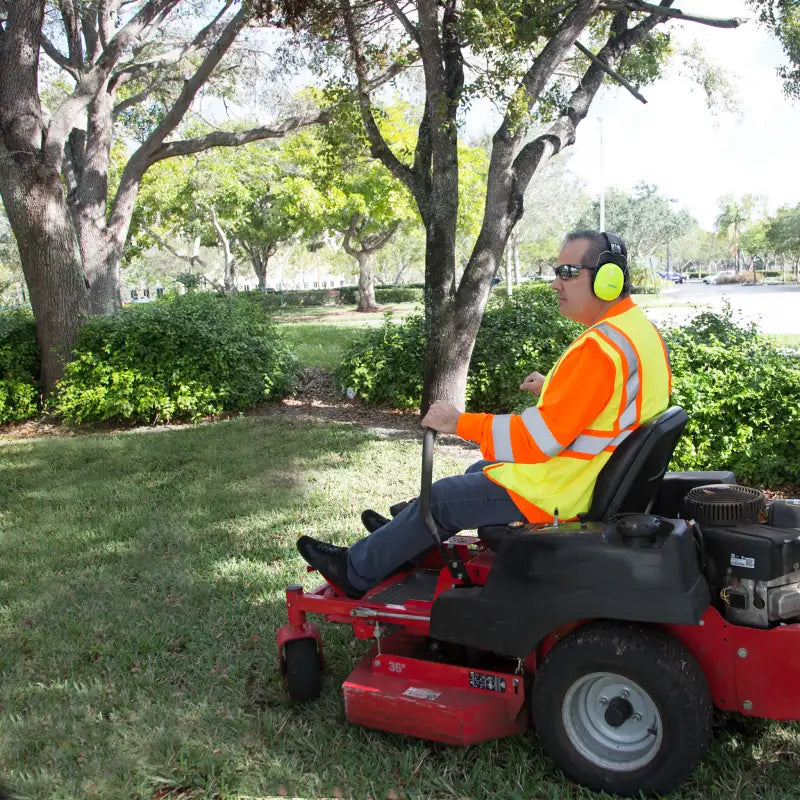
398 507
331 561
372 520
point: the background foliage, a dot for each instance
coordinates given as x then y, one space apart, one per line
742 393
183 357
19 366
200 354
517 336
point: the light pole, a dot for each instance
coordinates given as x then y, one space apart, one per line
602 181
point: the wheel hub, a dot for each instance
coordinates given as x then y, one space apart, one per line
618 710
612 721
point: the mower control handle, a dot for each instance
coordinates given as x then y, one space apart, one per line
454 562
425 484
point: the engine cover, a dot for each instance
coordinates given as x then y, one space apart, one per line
752 552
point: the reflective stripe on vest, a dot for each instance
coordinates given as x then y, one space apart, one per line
583 445
631 378
537 428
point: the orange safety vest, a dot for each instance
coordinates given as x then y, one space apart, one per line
629 364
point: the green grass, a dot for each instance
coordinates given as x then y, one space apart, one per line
319 345
791 340
344 315
141 584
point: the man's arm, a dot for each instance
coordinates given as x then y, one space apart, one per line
578 391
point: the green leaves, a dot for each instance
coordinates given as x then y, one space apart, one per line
19 367
516 337
184 357
742 395
741 392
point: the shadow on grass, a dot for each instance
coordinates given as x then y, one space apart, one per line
141 585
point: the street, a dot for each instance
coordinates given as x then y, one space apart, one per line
774 308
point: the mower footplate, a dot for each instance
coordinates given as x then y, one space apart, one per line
420 585
447 703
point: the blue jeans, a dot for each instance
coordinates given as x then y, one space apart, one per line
461 502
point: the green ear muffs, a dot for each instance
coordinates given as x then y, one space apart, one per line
608 281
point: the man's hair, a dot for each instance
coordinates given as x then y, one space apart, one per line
596 246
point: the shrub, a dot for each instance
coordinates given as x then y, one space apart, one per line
741 392
385 365
742 395
399 294
182 357
516 337
348 295
19 367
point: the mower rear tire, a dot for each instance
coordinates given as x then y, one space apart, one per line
302 670
622 708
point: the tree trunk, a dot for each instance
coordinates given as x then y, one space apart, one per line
105 289
229 273
366 282
51 264
86 174
260 268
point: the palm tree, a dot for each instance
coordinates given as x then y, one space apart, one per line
733 218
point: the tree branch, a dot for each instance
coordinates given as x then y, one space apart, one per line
186 147
561 133
613 73
96 78
674 13
145 155
349 234
130 71
378 146
57 57
411 29
164 245
376 241
71 20
131 101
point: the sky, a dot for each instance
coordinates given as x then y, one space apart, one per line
677 144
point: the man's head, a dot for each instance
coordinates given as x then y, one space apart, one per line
585 294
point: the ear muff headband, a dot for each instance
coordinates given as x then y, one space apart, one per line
609 276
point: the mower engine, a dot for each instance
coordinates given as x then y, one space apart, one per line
752 555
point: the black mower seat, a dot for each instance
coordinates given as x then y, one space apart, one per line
629 481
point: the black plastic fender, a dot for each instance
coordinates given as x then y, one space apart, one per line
640 568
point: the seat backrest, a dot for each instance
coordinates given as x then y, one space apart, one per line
630 479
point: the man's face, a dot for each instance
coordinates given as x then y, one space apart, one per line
576 300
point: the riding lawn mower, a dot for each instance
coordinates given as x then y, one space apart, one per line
613 636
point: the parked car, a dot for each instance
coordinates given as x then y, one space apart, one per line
675 277
720 277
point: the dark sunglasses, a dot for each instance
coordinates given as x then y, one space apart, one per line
568 271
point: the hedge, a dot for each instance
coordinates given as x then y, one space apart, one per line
182 357
741 392
19 367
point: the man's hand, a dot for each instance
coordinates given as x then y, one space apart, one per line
533 383
442 417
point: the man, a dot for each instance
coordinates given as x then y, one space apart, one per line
612 378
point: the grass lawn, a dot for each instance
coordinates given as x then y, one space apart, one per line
320 345
344 315
319 335
141 583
